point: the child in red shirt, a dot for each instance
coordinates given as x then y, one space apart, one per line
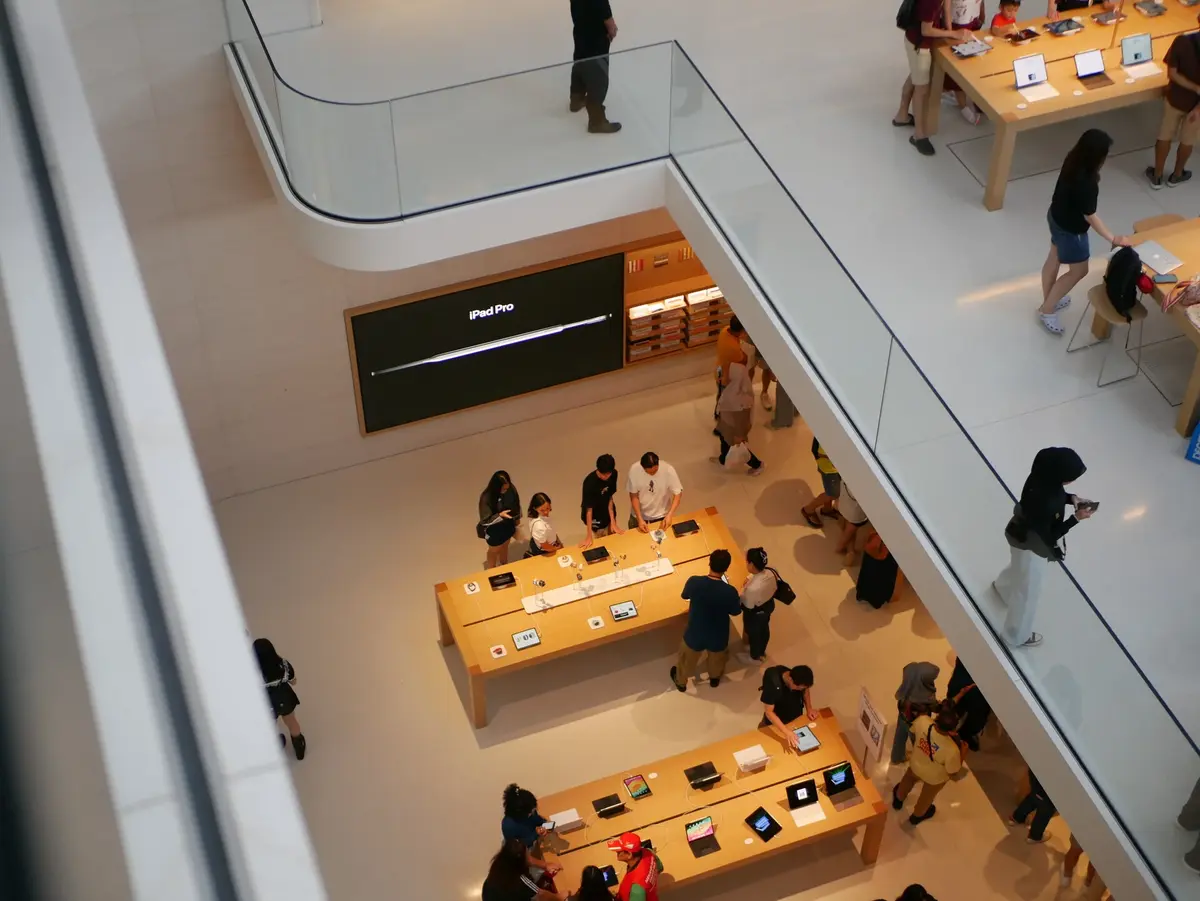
1005 21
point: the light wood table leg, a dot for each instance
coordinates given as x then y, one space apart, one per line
1101 328
478 700
1189 410
872 837
445 636
933 103
998 169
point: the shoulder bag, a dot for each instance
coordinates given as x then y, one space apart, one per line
784 593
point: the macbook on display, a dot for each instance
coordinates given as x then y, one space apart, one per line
700 837
609 805
1089 68
1136 49
801 794
1158 257
702 775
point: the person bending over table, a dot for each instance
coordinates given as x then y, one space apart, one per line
928 20
642 866
1061 6
1181 115
786 696
711 602
654 493
599 509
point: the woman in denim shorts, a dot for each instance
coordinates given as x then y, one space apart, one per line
1072 212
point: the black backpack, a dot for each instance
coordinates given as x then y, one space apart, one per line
1121 280
906 16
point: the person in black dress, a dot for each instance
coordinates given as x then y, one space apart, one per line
970 704
499 516
878 574
594 31
279 676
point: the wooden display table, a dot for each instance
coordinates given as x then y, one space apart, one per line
989 81
662 816
486 619
1183 240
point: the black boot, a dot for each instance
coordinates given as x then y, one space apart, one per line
299 746
598 123
578 102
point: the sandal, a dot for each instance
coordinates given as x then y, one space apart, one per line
910 122
1050 323
1062 304
811 518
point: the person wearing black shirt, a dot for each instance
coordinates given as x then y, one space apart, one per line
1061 6
509 878
598 508
970 704
594 32
1072 211
712 601
1033 535
786 696
499 516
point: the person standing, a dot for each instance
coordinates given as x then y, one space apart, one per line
654 493
934 759
1189 821
499 516
1033 534
1072 212
279 677
1181 117
598 507
786 695
509 877
879 574
916 697
594 31
729 351
927 25
543 537
758 602
523 822
1038 803
735 409
831 488
853 519
973 708
642 866
969 15
711 602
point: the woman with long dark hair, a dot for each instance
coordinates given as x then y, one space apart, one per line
1072 212
279 676
509 879
591 886
499 516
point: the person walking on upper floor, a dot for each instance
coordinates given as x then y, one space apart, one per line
735 415
1181 111
935 758
594 31
279 677
711 602
1072 212
1033 534
916 697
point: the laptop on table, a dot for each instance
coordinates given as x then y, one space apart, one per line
1031 78
1089 69
839 779
1137 55
702 775
1157 257
802 794
700 837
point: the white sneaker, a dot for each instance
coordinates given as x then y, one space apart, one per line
971 114
1032 641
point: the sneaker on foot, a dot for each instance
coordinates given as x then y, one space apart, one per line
1032 641
1156 181
972 115
678 687
924 146
1174 180
1050 322
915 820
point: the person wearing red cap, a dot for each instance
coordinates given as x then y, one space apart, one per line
640 882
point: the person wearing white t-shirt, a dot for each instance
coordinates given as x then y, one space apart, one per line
969 15
543 537
654 492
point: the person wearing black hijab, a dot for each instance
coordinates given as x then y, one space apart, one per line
1034 532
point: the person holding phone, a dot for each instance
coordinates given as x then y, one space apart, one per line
1033 534
510 879
499 516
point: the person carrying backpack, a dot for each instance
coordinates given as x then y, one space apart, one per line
1072 212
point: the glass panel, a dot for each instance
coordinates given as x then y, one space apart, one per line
244 35
341 158
809 290
1100 702
505 134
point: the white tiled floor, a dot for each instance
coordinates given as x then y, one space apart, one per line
399 789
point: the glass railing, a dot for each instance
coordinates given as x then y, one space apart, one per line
421 153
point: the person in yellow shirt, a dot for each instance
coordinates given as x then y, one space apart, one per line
729 351
831 488
935 758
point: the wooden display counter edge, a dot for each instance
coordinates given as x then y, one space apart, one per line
452 631
872 815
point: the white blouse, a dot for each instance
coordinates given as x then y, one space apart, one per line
542 531
760 589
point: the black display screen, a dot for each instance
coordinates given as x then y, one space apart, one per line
454 351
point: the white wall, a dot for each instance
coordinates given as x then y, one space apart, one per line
252 325
278 16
